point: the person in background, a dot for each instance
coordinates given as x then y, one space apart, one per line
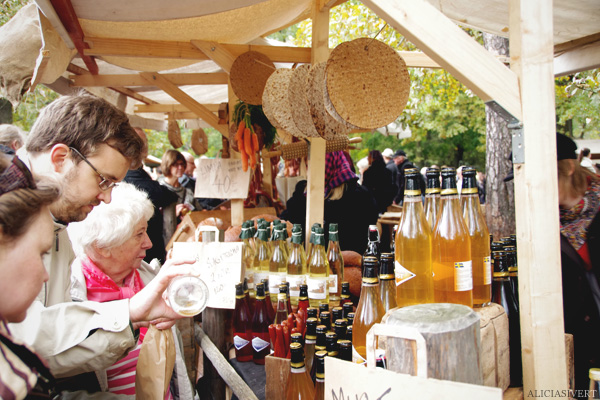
388 157
173 165
160 196
363 165
87 145
377 178
110 245
585 161
187 179
402 163
579 205
10 137
481 186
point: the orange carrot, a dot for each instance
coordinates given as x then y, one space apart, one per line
240 131
253 160
244 162
254 141
248 141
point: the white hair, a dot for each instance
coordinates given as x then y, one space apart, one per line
9 134
111 225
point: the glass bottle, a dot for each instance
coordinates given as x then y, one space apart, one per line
373 248
451 250
281 313
320 345
248 258
311 240
345 350
312 312
260 327
242 326
340 328
262 254
278 262
323 307
299 384
349 332
303 299
413 268
296 338
480 238
250 302
513 268
350 318
270 309
325 319
336 313
331 339
320 376
369 310
318 270
336 264
347 309
310 339
296 264
387 281
432 195
287 297
345 296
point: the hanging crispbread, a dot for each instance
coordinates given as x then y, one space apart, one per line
276 103
174 133
199 141
367 83
327 126
248 76
299 102
300 149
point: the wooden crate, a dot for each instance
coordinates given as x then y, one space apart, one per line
495 355
277 370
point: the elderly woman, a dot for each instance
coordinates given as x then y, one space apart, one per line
173 166
26 232
579 201
110 245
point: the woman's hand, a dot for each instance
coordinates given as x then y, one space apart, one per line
182 209
149 305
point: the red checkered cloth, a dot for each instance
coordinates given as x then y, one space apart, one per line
337 170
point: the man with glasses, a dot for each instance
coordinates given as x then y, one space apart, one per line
87 145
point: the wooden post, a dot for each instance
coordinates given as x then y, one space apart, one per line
316 149
536 194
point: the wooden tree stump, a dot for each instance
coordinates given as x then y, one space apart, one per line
451 334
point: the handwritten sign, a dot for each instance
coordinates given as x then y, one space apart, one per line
219 265
221 178
348 381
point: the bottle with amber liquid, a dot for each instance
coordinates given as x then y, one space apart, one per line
320 375
242 326
278 262
331 339
432 195
451 248
480 239
260 327
413 267
299 384
248 257
510 246
387 281
311 241
369 310
318 270
296 264
282 312
303 298
262 254
336 265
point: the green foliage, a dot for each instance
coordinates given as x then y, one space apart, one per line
8 8
28 110
158 142
578 104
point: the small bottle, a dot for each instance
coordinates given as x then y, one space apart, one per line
310 340
369 310
248 259
331 339
350 318
345 296
479 234
325 319
387 281
312 312
340 328
262 254
249 301
345 349
320 376
513 268
281 313
432 196
318 270
323 307
347 309
287 297
242 327
297 338
311 240
303 298
320 345
413 268
349 330
260 327
296 264
270 309
451 248
299 384
373 247
336 313
278 262
336 264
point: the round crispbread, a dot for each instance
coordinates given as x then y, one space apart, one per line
276 103
199 141
367 83
326 125
299 102
248 76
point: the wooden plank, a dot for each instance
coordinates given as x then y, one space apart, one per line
216 78
536 194
577 59
165 108
216 52
130 93
453 49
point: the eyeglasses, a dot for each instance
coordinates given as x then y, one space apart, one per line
105 183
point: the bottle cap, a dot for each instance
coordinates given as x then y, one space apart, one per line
239 290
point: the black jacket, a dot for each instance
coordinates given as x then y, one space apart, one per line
378 179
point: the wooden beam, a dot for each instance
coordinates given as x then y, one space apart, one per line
217 78
166 108
536 194
581 58
68 17
216 52
453 49
329 4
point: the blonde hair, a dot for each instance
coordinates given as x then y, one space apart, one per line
577 182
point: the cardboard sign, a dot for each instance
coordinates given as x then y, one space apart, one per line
219 265
221 178
349 381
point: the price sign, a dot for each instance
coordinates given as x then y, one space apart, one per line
219 265
221 178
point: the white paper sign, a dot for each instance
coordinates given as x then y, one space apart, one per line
221 178
219 265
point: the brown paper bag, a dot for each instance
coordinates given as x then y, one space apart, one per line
155 364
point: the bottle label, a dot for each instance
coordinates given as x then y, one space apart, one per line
357 358
295 282
402 274
432 190
333 283
260 275
250 279
463 276
317 287
259 345
468 190
275 279
239 342
412 192
487 270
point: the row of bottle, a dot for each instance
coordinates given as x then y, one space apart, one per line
320 267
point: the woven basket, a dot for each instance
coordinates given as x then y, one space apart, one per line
173 132
248 76
276 103
367 83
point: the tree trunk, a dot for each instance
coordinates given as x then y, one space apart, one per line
500 205
6 112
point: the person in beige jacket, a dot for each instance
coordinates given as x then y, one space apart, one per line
87 145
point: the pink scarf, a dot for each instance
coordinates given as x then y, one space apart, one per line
101 288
